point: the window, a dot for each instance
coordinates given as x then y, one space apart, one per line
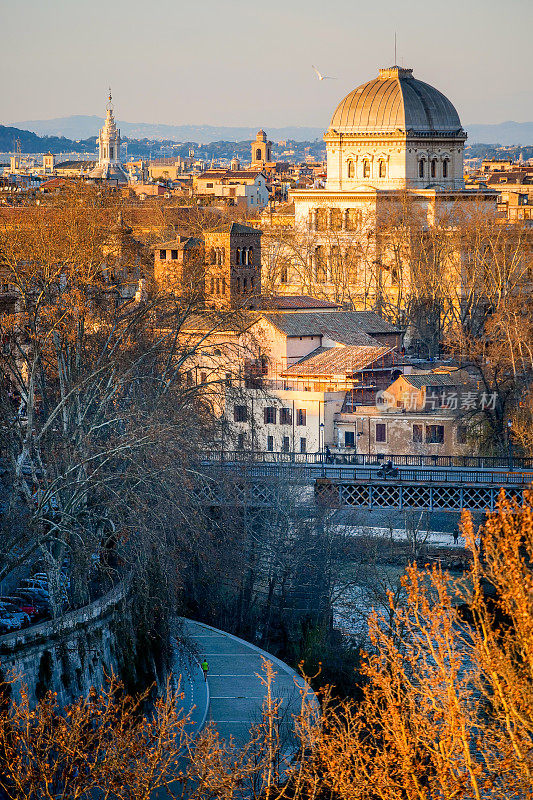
301 416
238 255
223 286
240 413
270 415
366 168
270 443
240 441
173 254
462 434
258 154
349 438
212 285
353 219
335 260
421 168
303 444
189 378
433 168
209 185
286 444
351 169
162 255
284 274
320 264
351 264
203 377
227 378
336 219
250 255
434 434
382 169
417 433
381 431
285 416
445 168
321 219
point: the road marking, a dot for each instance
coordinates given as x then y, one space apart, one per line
236 697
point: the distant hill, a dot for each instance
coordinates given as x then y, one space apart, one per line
81 127
506 133
31 143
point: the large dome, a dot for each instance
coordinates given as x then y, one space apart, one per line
395 100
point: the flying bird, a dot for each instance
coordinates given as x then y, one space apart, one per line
323 77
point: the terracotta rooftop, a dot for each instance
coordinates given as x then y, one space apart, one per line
228 174
420 380
345 327
338 360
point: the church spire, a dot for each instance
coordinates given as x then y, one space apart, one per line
109 147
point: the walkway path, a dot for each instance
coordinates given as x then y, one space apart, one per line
236 691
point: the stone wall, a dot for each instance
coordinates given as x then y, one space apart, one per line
69 654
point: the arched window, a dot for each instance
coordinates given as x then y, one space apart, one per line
218 285
382 169
238 255
111 152
223 286
445 168
351 169
433 167
212 256
222 255
250 255
366 168
212 286
258 154
252 283
421 167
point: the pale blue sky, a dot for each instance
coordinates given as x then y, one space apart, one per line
245 62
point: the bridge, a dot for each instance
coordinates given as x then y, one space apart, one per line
443 483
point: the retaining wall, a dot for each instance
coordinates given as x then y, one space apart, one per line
67 655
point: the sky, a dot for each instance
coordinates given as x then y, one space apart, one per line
248 62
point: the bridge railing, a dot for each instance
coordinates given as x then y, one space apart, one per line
364 459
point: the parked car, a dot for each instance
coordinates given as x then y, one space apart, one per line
12 620
20 604
32 583
37 599
13 611
42 576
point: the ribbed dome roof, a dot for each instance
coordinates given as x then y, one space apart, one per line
395 100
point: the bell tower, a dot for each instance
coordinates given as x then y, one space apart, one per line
261 150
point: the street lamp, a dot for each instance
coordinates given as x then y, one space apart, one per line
321 440
510 443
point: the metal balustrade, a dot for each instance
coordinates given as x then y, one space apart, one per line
365 459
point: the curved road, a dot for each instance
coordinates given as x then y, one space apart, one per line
234 682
